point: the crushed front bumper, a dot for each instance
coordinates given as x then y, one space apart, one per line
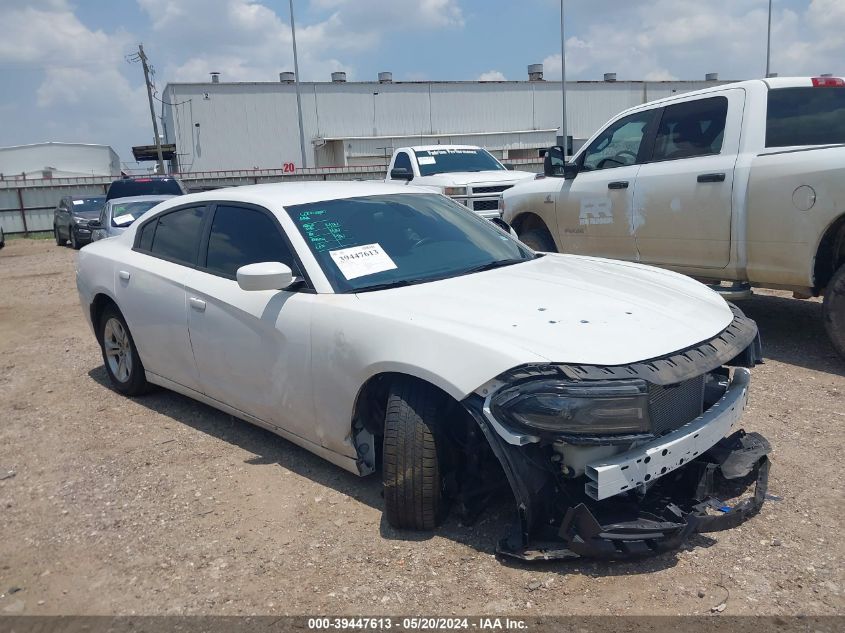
644 501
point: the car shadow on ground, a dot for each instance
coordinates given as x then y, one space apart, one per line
267 448
793 332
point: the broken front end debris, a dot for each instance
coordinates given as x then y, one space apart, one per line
624 461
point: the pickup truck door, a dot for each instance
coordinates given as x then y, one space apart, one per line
683 196
594 209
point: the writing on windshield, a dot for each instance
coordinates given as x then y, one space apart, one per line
323 231
442 161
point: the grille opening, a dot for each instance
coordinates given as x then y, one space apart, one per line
672 406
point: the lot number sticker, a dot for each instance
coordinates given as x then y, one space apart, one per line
360 261
124 219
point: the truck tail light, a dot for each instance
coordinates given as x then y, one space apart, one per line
828 82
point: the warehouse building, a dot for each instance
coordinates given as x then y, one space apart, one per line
254 125
57 160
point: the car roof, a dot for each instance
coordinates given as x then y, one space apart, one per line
274 195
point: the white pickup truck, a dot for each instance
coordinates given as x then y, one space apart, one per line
470 175
742 182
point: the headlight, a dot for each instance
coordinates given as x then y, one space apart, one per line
455 191
80 221
579 408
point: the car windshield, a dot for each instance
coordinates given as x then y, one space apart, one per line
442 161
88 207
376 242
125 213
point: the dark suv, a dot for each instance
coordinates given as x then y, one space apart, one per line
71 216
145 186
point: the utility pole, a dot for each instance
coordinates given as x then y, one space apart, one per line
769 41
143 57
296 82
563 84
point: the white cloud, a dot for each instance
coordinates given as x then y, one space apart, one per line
668 39
82 74
248 41
492 75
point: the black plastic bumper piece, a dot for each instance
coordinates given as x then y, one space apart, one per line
686 504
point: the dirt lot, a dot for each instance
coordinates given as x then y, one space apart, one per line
163 505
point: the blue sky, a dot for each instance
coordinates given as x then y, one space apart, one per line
65 76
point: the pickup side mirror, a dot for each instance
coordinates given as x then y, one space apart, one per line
570 170
553 162
264 276
94 224
401 173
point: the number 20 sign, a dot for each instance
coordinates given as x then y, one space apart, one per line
288 168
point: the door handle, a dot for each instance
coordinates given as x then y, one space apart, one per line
124 275
618 184
197 304
711 178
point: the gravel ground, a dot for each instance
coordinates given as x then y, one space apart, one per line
162 505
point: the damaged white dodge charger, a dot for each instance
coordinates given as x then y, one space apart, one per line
388 328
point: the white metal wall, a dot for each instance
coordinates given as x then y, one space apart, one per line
254 125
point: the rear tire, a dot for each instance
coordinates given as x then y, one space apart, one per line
120 356
538 240
833 310
413 485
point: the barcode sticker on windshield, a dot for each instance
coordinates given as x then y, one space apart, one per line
124 219
426 160
360 261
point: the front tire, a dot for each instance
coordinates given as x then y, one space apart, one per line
538 240
120 356
833 310
74 243
59 240
413 484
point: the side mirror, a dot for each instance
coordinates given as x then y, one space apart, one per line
570 170
264 276
401 173
94 224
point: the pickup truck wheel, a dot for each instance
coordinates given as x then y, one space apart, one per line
538 240
411 472
834 310
120 356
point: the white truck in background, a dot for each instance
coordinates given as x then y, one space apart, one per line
468 174
743 182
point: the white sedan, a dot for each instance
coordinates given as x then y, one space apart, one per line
385 327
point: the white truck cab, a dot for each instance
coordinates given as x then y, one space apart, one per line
468 174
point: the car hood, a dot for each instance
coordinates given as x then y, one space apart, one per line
565 308
462 178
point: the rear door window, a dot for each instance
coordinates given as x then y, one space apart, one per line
177 235
241 236
691 128
805 116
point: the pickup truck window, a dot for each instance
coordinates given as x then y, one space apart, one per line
691 128
805 116
442 161
403 161
619 144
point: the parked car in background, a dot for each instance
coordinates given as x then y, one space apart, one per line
743 182
468 174
2 238
381 325
118 215
71 217
145 186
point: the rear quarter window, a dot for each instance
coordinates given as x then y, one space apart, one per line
805 116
